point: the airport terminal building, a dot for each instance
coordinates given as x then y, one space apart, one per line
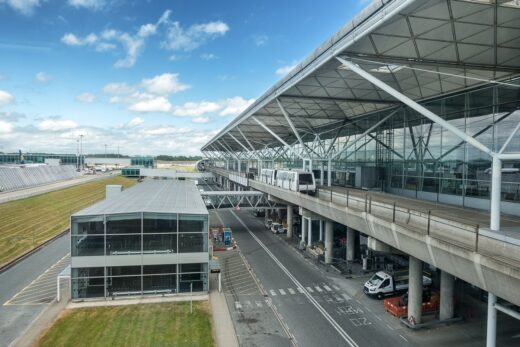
150 239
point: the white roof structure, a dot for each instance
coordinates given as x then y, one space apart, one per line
157 196
421 48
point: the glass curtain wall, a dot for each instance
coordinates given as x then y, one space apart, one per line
138 233
420 159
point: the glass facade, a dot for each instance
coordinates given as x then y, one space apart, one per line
410 155
143 161
145 234
39 158
131 171
113 281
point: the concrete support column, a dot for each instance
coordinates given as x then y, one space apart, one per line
289 221
239 169
351 243
328 241
491 334
305 226
321 230
322 173
329 173
309 231
447 289
415 289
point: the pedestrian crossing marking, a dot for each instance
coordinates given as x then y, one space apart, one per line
291 291
282 291
327 288
310 290
336 287
300 289
318 289
346 296
258 303
273 293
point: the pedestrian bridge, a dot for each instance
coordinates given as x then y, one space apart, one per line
237 200
452 239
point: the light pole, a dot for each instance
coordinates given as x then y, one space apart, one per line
82 161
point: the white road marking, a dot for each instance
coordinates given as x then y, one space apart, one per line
336 287
291 291
346 296
273 293
309 289
323 312
389 327
238 305
318 289
404 338
300 290
258 303
327 288
282 292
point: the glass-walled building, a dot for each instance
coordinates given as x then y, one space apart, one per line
39 158
150 239
143 161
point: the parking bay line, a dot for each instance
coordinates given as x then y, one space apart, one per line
324 313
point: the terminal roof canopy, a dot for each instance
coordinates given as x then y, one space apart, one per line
158 196
422 48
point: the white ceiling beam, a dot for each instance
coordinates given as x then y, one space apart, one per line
276 136
293 128
415 106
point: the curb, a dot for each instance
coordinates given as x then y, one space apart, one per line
31 252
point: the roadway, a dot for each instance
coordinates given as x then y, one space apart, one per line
323 308
316 307
21 282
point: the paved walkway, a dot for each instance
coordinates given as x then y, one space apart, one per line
223 329
467 216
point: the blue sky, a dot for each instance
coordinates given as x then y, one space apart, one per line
152 77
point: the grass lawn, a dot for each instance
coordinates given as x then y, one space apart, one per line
27 223
183 166
164 324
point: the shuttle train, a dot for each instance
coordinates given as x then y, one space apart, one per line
294 180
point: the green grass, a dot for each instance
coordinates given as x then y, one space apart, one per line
164 324
27 223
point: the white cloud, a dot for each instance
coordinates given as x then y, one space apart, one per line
195 109
86 97
208 56
151 104
89 4
42 77
134 122
5 127
178 38
25 7
200 120
118 89
104 47
133 45
235 105
260 40
166 130
164 84
56 125
284 70
226 107
73 40
5 98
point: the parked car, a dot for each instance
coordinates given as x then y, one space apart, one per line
277 228
268 223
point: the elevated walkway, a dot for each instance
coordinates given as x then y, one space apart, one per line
237 200
453 239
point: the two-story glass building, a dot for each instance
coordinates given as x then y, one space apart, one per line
149 239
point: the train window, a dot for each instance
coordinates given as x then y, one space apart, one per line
306 179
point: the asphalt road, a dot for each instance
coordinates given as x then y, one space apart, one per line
15 318
326 316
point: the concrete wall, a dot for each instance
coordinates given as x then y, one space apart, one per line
450 246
